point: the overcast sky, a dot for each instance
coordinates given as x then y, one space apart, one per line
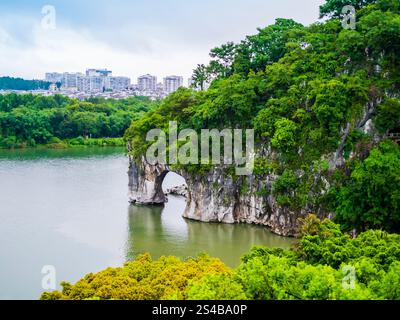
131 38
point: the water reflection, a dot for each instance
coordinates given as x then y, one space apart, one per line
162 230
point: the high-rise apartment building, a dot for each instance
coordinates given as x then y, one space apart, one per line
70 80
96 84
118 83
83 83
147 83
172 83
54 77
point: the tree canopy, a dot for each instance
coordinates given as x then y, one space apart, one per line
27 120
308 92
8 83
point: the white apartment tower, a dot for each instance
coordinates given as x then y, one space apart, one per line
119 83
54 77
83 83
147 83
172 83
70 80
98 73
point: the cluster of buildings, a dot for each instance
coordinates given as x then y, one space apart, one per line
147 85
95 80
101 82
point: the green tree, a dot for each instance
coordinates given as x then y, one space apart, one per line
285 135
333 8
200 77
371 198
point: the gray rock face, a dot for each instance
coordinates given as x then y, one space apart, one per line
215 197
181 190
145 183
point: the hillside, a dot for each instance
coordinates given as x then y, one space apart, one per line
321 99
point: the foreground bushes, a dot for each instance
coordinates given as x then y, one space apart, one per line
142 279
325 264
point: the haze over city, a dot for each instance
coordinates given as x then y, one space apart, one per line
139 37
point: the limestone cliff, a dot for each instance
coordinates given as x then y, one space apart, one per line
215 197
218 197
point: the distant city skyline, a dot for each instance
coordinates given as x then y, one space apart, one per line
147 81
158 37
101 82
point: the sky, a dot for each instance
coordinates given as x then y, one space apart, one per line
131 37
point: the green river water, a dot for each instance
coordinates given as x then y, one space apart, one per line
69 209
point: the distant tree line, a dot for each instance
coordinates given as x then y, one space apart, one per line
8 83
27 120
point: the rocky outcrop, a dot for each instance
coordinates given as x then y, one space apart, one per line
145 183
181 190
216 197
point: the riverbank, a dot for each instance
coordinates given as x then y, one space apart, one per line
65 144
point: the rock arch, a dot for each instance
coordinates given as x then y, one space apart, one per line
214 197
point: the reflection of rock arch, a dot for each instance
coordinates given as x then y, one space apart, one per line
160 231
139 219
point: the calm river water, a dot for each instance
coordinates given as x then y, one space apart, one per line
69 209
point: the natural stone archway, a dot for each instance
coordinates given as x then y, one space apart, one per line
175 184
214 197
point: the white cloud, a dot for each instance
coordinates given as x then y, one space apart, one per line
75 50
4 36
134 42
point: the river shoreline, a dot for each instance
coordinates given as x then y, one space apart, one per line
71 143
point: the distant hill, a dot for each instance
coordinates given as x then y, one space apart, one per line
8 83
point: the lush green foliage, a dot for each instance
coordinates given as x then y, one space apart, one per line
252 54
317 268
305 91
334 7
388 116
27 120
7 83
142 279
370 197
